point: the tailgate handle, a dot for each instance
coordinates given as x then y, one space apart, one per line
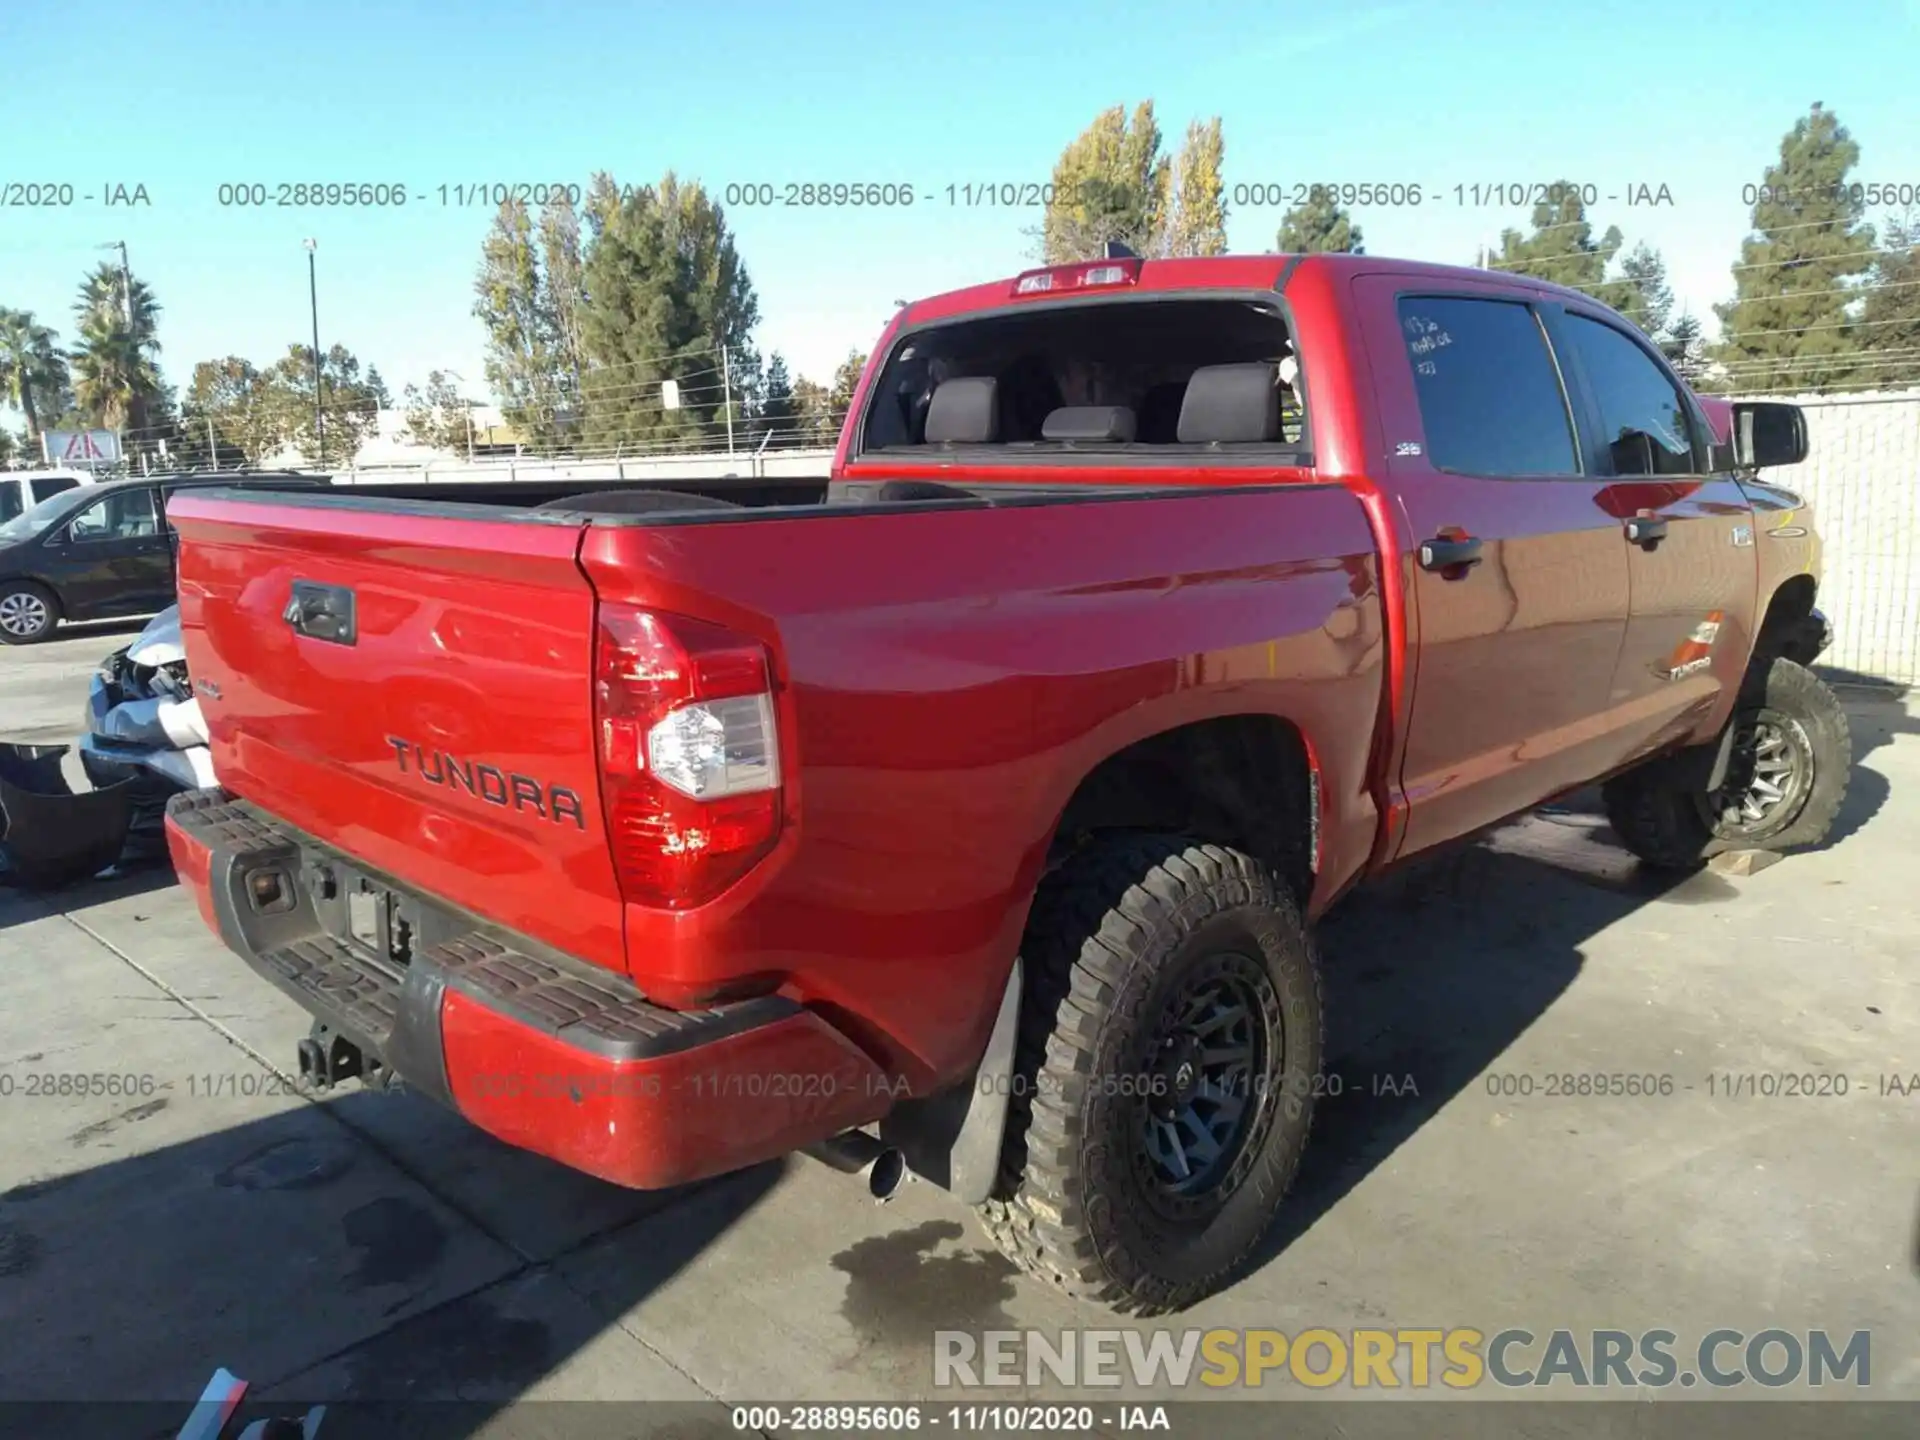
321 612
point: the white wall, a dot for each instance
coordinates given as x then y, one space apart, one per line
1862 475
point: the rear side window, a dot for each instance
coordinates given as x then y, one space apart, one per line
52 485
1140 377
1643 418
1490 395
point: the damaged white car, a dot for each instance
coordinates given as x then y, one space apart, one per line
142 714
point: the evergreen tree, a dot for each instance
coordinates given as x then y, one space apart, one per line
813 404
1318 226
1648 297
778 413
523 349
1685 348
665 290
1561 248
846 379
562 264
745 381
1890 321
1788 326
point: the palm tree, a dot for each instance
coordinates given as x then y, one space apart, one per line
104 294
32 368
113 379
116 364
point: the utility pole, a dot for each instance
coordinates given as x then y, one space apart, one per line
126 283
126 280
313 299
726 393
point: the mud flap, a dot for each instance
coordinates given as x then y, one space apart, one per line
50 834
953 1139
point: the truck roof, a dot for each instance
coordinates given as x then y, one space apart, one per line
1229 272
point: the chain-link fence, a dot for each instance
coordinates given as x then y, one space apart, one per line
1862 474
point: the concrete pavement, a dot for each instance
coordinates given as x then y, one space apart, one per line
371 1247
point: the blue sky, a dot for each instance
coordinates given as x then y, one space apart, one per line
184 97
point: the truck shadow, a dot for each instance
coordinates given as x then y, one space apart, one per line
1435 970
1874 718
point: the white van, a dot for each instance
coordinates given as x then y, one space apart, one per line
21 490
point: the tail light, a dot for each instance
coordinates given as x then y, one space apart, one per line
689 754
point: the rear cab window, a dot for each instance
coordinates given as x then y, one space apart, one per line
1194 380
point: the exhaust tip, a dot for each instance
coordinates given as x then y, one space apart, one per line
886 1175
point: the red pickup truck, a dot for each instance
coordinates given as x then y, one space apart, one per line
964 810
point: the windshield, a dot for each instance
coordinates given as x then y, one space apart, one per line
48 512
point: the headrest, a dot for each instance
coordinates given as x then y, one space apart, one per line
1090 422
964 412
1231 404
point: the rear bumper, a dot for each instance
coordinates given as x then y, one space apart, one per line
544 1051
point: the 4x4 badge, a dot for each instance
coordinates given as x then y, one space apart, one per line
1407 447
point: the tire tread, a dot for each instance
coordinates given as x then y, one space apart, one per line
1079 951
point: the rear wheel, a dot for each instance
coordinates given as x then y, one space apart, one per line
28 613
1170 1046
1786 778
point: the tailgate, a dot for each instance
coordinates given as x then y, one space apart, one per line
447 739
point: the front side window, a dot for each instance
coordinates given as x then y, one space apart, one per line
49 486
123 515
1491 401
1643 418
10 505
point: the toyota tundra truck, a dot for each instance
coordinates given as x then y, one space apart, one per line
963 811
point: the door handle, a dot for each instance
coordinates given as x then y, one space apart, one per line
1458 553
1647 530
322 612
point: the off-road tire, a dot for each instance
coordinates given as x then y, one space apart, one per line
9 590
1115 936
1670 826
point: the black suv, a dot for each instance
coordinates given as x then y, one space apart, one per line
99 551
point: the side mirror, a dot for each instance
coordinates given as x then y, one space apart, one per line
1767 433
